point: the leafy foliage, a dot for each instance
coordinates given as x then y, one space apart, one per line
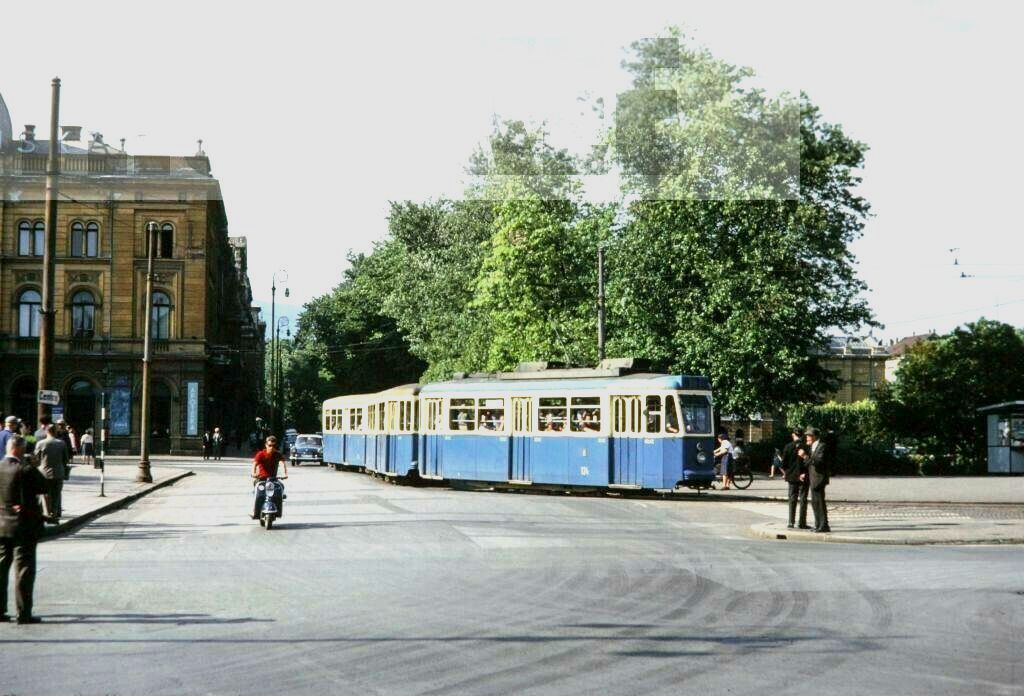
941 383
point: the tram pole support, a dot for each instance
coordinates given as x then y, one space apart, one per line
600 303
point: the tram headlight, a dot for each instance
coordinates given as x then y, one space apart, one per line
702 458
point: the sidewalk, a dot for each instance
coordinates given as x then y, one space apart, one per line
899 523
81 496
896 489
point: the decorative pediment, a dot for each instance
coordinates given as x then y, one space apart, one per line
27 276
83 277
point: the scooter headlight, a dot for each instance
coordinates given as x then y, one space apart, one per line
261 487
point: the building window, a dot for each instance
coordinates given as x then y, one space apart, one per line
31 238
160 319
83 314
166 247
29 305
85 239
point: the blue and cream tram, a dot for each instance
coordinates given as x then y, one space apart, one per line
565 428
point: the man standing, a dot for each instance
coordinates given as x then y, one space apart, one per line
817 473
794 470
21 523
218 443
52 458
10 428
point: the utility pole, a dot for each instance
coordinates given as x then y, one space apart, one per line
275 424
600 303
46 326
145 475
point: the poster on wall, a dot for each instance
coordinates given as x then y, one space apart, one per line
192 414
120 411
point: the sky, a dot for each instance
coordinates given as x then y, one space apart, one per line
316 115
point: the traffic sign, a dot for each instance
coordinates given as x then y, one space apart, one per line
49 397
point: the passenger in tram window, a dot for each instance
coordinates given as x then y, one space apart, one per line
499 421
592 423
462 421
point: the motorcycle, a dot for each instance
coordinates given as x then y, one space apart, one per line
269 502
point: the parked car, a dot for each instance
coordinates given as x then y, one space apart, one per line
307 448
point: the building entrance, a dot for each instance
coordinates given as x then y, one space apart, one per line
160 419
80 411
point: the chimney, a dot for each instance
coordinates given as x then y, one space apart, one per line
71 133
30 132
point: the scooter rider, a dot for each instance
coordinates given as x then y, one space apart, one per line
265 465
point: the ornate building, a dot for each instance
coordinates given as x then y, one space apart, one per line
208 338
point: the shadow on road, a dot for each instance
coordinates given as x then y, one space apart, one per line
168 619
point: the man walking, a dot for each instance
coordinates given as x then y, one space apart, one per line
21 523
794 470
52 458
817 474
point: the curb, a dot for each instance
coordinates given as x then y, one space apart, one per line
76 522
730 498
771 530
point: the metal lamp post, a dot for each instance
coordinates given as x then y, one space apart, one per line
145 475
46 327
282 276
279 394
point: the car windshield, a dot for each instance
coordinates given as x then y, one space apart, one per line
308 441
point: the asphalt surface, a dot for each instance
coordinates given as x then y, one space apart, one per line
370 588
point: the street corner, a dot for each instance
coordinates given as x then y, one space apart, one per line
901 532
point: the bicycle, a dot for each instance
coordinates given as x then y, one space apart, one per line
742 475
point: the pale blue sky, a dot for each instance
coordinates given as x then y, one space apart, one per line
315 116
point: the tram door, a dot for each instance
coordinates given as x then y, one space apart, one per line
432 439
522 438
627 438
386 442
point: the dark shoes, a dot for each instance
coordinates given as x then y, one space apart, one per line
823 530
790 526
29 620
804 526
4 618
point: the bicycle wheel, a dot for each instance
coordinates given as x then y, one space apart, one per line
742 479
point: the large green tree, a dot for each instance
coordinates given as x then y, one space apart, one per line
942 382
735 272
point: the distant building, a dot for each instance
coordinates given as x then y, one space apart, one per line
208 339
859 363
896 351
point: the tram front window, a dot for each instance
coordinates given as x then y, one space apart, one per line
696 413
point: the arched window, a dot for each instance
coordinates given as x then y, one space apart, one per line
92 239
29 304
85 239
166 247
83 314
160 320
31 238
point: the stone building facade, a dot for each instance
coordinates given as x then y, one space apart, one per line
208 339
859 364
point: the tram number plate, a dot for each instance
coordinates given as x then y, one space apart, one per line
584 471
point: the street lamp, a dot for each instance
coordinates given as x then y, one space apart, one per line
145 475
279 394
280 275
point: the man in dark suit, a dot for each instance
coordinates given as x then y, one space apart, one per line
21 524
792 468
817 474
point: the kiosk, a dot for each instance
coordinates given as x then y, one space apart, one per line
1005 429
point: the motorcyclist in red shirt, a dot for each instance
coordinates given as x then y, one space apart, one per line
265 463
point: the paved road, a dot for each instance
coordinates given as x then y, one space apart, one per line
370 588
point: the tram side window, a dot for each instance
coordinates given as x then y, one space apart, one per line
696 413
671 415
491 414
433 409
585 414
653 412
553 414
355 419
462 414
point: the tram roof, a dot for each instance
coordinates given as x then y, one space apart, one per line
637 382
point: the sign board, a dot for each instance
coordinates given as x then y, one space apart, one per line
192 408
48 397
120 410
56 413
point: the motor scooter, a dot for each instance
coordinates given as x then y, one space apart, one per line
269 501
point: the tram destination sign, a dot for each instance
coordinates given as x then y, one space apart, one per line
49 397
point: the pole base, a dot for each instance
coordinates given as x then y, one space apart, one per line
144 474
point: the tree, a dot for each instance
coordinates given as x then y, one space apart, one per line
344 344
728 270
942 382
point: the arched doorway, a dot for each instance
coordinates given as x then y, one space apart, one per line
80 411
23 399
160 418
